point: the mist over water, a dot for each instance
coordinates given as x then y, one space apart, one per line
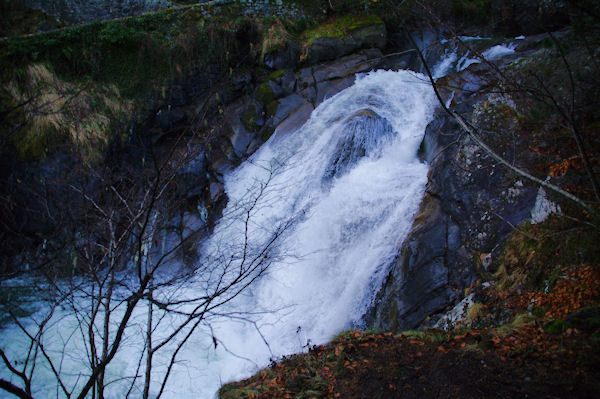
345 186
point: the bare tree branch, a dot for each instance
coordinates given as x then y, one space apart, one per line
472 132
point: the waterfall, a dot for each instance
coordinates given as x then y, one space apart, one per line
351 181
339 193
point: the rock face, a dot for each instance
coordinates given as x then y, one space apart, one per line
468 209
287 57
329 48
363 134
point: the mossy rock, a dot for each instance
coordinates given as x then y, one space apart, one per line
249 119
277 74
265 93
557 327
272 108
339 27
587 319
342 36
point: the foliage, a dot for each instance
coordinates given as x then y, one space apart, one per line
576 287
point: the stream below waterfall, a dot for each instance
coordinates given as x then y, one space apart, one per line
339 194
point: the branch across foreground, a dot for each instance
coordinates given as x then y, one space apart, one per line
473 134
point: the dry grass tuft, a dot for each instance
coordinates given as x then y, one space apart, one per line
56 111
275 38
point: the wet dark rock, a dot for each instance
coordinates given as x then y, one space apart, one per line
286 106
330 88
216 190
242 120
294 121
359 137
310 94
286 57
419 284
305 78
346 66
241 80
274 89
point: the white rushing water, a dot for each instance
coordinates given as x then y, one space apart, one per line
347 185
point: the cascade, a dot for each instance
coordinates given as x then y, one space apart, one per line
339 194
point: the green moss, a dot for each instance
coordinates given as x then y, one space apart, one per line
534 264
434 336
339 27
557 327
391 314
248 119
277 74
264 93
272 108
538 311
587 319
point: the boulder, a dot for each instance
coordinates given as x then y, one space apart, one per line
286 106
329 48
330 88
418 284
294 121
347 66
305 78
286 57
243 121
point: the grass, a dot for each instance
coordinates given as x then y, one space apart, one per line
56 111
519 321
433 336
